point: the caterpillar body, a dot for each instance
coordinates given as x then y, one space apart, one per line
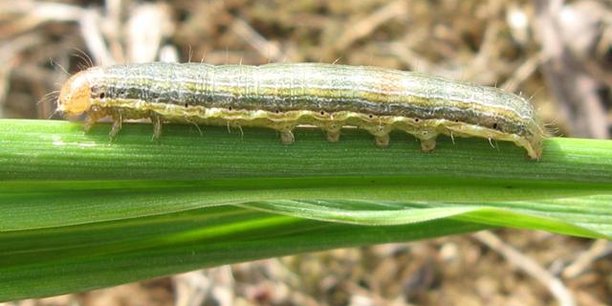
283 96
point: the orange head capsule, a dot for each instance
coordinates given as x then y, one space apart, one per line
75 96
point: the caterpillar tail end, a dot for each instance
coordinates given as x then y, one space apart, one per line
534 153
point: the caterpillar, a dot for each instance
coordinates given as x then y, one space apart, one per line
282 96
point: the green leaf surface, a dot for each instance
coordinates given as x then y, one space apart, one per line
78 211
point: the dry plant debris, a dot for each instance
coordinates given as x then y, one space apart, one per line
557 52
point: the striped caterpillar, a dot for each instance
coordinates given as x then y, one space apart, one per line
283 96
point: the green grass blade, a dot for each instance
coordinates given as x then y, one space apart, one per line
79 212
54 261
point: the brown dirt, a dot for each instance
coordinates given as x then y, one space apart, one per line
521 46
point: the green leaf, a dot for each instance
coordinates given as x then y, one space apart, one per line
78 211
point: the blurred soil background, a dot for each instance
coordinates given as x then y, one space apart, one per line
556 53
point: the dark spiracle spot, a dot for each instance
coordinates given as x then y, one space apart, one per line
371 116
277 111
186 105
495 126
416 119
102 95
230 108
322 113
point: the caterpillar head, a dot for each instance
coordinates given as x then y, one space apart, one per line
75 96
